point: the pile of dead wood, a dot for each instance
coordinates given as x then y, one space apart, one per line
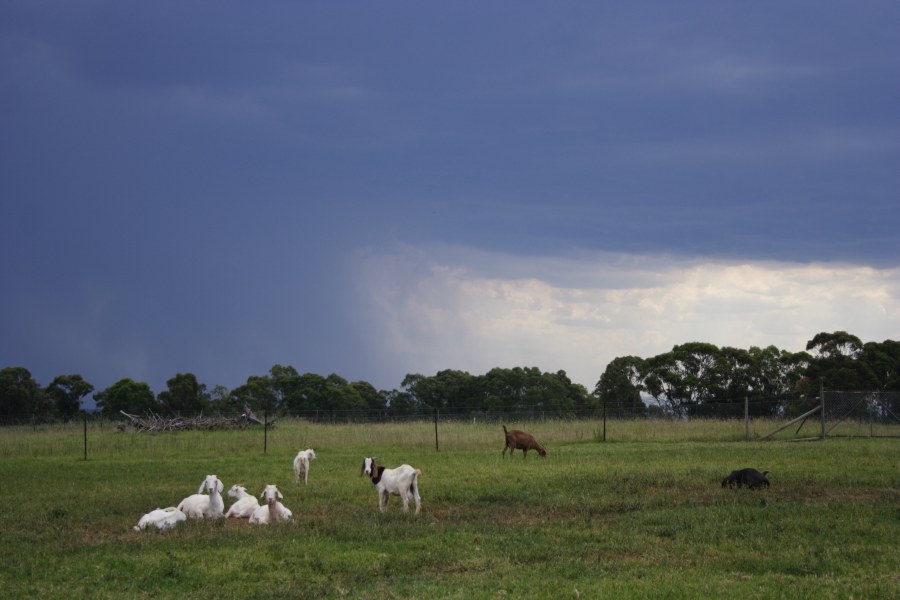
156 423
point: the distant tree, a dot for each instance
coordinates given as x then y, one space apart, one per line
220 399
516 389
311 395
774 373
285 385
342 396
134 397
66 392
184 395
21 396
619 388
373 399
682 379
559 395
883 361
734 380
421 390
400 403
837 363
257 393
837 344
449 390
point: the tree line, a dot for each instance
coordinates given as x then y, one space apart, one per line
693 379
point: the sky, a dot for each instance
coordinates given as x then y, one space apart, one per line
374 189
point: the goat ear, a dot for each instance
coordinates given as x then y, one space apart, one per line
202 487
219 485
279 494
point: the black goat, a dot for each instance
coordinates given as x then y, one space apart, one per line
749 477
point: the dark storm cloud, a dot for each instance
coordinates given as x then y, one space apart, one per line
187 187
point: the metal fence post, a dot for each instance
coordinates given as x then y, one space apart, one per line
436 447
604 418
822 404
746 419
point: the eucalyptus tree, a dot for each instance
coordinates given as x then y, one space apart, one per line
837 363
373 399
127 395
66 392
258 393
21 396
285 383
342 396
684 378
399 403
561 395
184 395
620 386
883 361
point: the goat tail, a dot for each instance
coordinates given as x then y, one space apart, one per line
504 429
418 472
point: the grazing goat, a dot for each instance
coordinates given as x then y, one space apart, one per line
161 518
402 481
273 510
749 477
207 505
301 464
246 503
519 440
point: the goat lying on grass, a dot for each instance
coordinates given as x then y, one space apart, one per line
209 505
246 503
519 440
161 518
301 464
402 481
749 477
273 510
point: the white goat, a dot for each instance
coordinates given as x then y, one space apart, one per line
301 464
402 481
245 505
273 510
209 505
161 518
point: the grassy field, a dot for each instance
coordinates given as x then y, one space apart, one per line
642 516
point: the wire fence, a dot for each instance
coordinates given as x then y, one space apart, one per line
875 414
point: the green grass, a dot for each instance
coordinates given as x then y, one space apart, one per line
642 516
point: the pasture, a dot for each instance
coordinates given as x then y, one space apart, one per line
643 516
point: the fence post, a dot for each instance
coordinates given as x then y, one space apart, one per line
604 418
85 436
822 404
746 419
266 432
436 447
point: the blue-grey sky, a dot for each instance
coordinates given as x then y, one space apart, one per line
381 188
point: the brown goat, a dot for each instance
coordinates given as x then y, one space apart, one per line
519 440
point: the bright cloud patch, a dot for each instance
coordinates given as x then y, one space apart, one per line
472 311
